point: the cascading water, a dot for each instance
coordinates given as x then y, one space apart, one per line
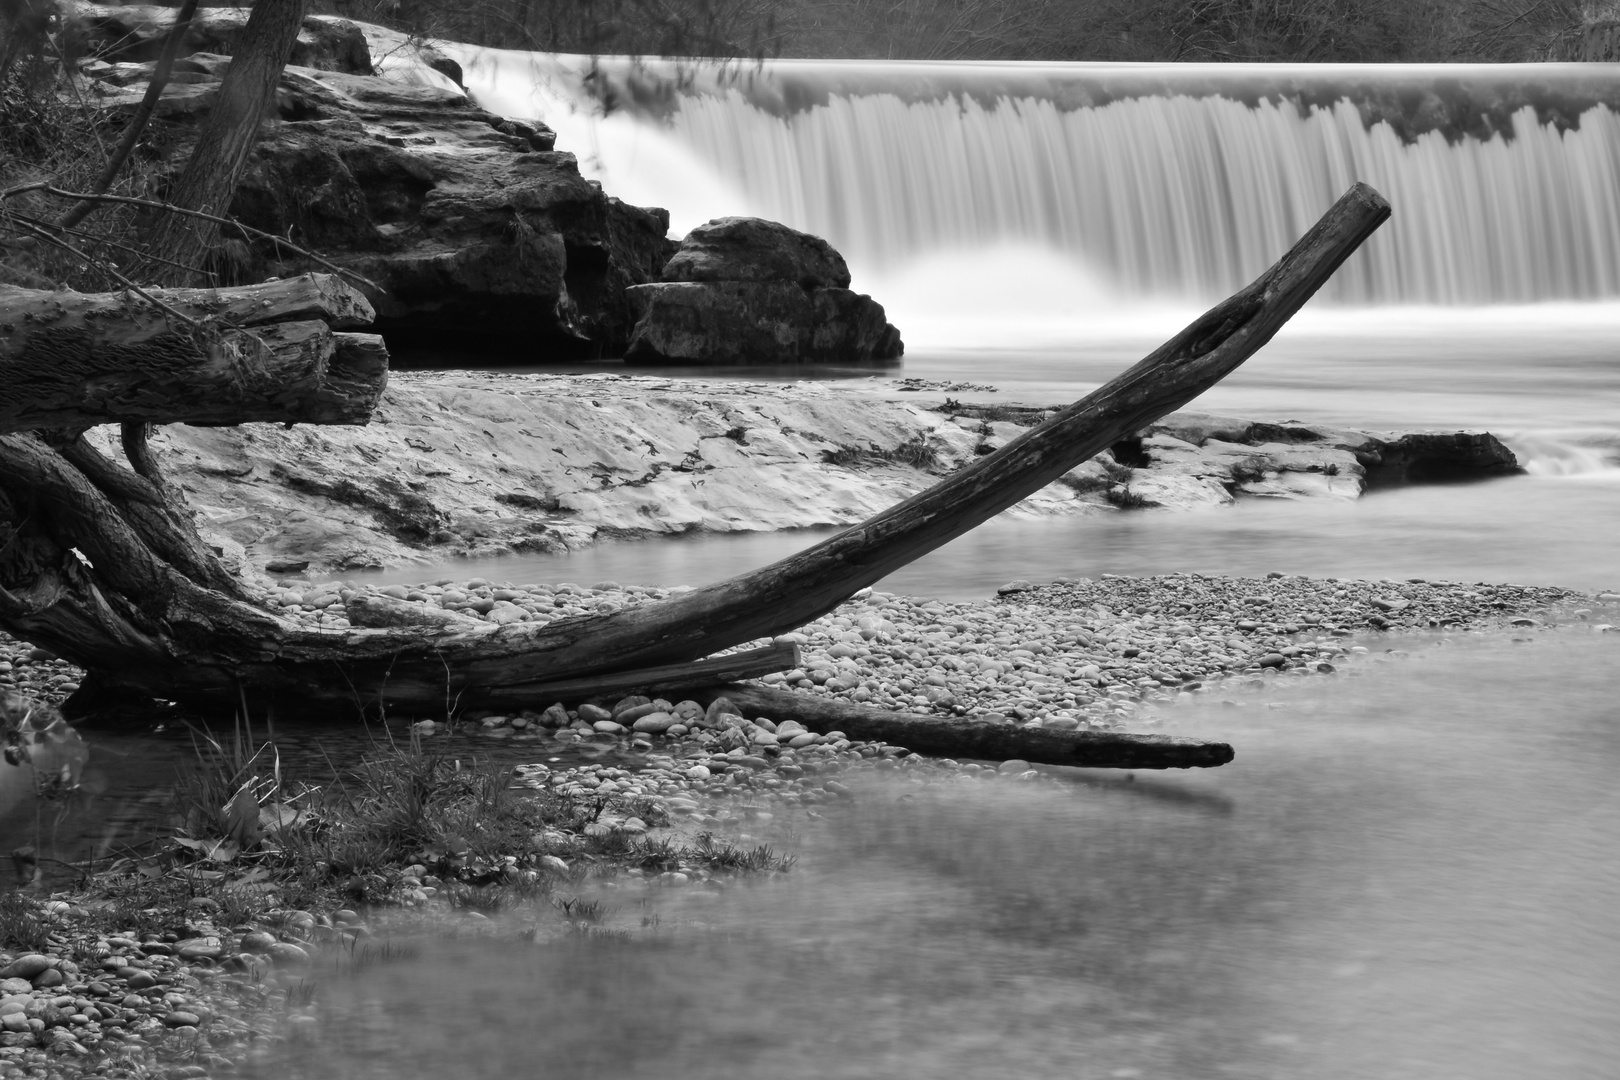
1175 181
1040 227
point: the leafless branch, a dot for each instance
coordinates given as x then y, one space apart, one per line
56 241
48 188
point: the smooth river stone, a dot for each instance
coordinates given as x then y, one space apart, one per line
285 952
636 712
25 966
655 723
202 948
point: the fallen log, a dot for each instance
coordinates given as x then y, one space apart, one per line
665 680
151 630
260 352
957 737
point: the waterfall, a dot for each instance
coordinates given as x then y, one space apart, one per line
1182 184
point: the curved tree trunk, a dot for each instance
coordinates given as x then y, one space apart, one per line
82 580
224 141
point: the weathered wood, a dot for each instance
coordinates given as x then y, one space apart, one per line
967 738
148 510
196 645
72 360
669 679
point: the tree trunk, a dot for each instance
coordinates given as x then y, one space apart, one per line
140 623
224 140
72 360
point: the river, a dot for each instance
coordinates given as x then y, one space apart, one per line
1544 378
1405 875
1039 228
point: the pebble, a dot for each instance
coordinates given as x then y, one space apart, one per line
1064 656
27 966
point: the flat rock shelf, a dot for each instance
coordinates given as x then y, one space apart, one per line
474 465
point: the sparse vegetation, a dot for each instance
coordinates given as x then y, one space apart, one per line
250 838
48 131
1023 415
915 452
22 926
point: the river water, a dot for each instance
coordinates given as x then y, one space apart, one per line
1405 875
1039 228
1408 871
1544 378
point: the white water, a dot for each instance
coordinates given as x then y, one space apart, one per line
1183 193
1041 227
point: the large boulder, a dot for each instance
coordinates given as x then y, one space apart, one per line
477 235
475 231
749 291
753 249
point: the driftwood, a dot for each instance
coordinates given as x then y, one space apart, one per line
143 626
669 679
273 352
966 738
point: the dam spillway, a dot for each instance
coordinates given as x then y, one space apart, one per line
1173 182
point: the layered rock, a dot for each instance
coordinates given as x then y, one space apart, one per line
1188 460
749 291
469 464
475 231
134 33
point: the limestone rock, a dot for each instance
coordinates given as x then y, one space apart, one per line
478 464
737 322
750 291
135 33
475 231
753 249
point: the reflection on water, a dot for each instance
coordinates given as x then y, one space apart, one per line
1407 876
1528 530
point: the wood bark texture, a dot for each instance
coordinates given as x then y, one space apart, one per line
267 353
143 625
225 139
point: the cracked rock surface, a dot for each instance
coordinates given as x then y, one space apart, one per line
475 464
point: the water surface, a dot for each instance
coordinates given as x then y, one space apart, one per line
1403 876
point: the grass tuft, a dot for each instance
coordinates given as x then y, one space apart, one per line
23 925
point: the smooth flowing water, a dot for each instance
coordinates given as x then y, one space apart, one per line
1039 228
1544 379
1407 875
